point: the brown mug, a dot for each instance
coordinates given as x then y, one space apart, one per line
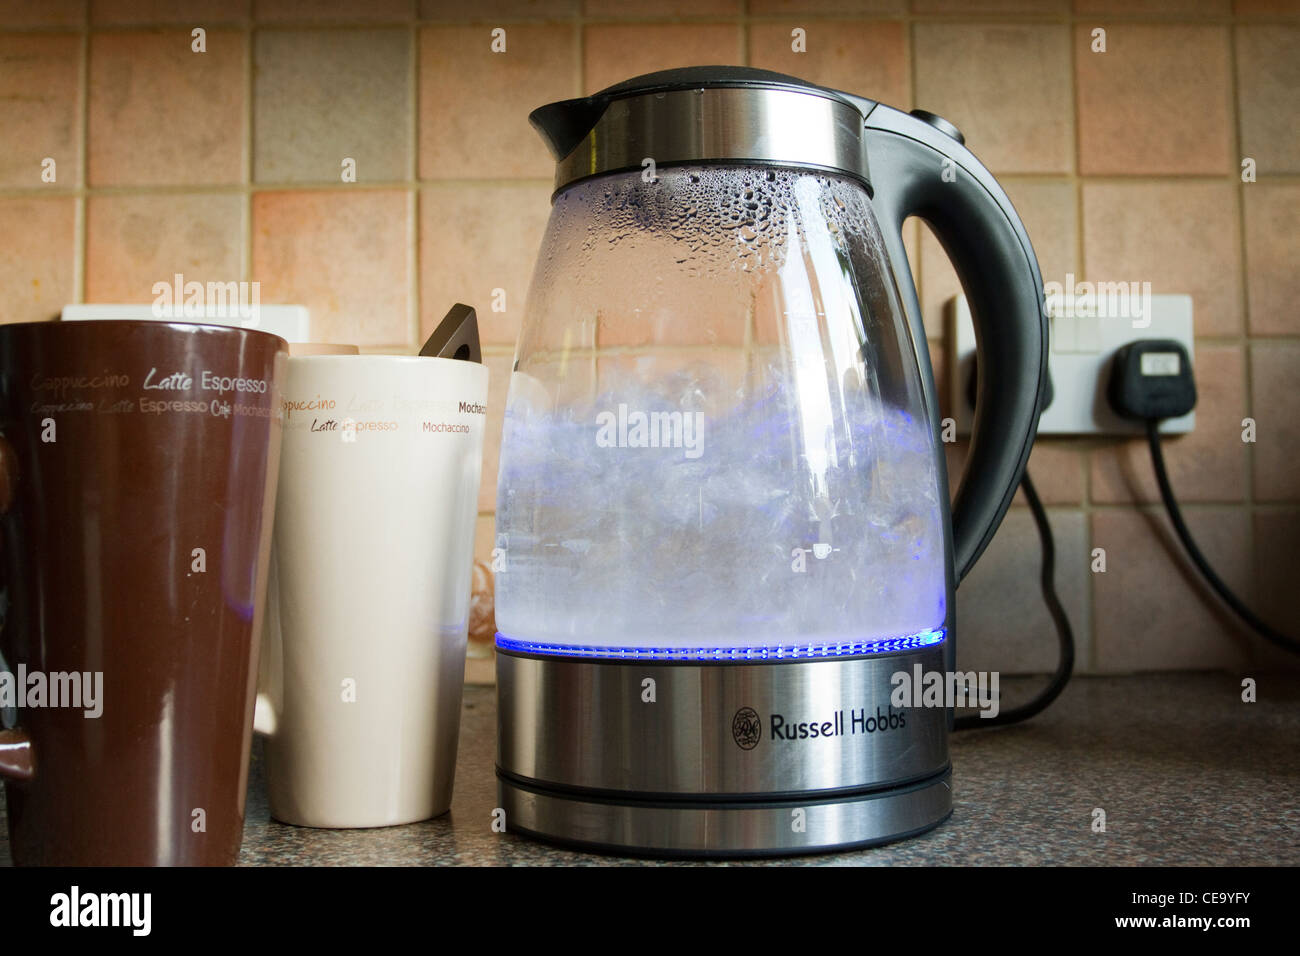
138 465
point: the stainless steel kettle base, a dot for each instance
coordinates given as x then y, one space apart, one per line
679 828
720 759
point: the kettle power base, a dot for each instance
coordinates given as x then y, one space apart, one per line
691 758
764 828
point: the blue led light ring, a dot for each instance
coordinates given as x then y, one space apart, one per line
770 652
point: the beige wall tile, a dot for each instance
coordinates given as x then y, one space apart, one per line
680 321
47 13
1049 211
1273 258
199 13
1268 76
1151 608
614 52
473 106
40 109
1276 410
499 365
1157 101
342 253
939 285
698 307
1208 464
1058 468
488 9
864 57
134 241
161 114
476 239
1002 623
1180 237
37 271
323 10
1005 86
321 96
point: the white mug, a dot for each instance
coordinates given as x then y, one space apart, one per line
368 601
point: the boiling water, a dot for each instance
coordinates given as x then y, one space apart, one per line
620 546
683 505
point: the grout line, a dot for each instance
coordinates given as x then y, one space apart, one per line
580 64
1155 505
415 201
180 189
246 163
972 17
1076 133
966 17
1080 264
1247 356
80 224
413 268
25 192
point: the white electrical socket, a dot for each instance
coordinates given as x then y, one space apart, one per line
1082 344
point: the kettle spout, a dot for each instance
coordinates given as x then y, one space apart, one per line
566 123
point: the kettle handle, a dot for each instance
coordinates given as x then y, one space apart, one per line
919 167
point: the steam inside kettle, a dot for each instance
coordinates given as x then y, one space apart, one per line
716 436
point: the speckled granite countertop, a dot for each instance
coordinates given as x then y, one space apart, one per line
1186 772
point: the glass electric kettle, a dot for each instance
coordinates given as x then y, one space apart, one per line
721 448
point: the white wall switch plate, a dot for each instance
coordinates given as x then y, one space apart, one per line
291 322
1082 344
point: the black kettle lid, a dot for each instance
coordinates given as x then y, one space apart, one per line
708 77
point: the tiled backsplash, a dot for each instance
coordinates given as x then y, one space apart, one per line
1125 165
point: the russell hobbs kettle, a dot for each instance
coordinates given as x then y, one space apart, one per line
723 526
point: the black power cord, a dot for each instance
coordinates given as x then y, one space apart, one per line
1151 380
1064 633
1189 545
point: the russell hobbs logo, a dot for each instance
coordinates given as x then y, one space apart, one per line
746 728
851 722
